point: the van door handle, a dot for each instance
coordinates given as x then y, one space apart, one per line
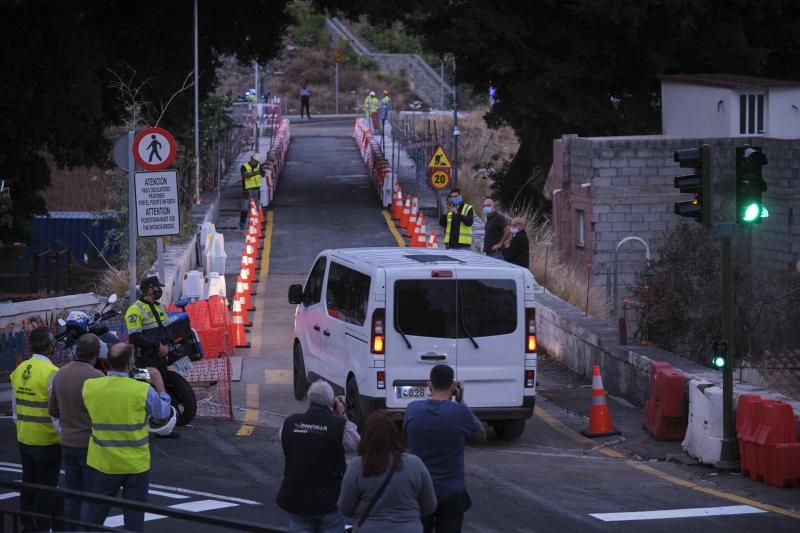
316 327
326 333
433 357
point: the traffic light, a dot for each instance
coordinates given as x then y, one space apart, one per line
750 186
698 183
719 359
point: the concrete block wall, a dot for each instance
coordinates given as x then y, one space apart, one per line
632 193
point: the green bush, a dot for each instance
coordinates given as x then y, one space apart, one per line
367 63
309 27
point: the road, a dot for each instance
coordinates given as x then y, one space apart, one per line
552 479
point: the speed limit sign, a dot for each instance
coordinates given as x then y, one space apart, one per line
440 178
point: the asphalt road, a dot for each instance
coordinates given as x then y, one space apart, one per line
552 479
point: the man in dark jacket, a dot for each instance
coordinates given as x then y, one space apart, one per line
457 221
518 248
314 445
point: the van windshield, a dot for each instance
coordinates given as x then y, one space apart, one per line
434 307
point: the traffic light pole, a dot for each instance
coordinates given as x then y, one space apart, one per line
729 454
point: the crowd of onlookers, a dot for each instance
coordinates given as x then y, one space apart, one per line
401 482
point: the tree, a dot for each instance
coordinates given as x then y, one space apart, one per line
56 59
589 67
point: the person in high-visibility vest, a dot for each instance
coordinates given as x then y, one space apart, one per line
251 186
36 432
371 105
146 323
123 411
457 222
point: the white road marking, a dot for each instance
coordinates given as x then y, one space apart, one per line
202 505
15 470
207 494
9 495
697 512
168 494
119 520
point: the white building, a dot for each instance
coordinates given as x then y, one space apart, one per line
728 105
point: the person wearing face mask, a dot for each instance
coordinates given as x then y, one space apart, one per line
457 222
497 230
518 248
145 315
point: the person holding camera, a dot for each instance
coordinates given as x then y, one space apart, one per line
457 222
314 446
437 429
119 447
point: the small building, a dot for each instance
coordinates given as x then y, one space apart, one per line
727 105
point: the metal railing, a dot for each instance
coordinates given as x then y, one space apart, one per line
57 518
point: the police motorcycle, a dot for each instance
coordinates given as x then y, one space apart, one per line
183 348
78 323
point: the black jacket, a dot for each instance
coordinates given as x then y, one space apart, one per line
315 463
518 250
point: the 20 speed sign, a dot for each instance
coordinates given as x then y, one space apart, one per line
440 179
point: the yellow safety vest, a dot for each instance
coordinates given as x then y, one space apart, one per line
252 178
30 381
120 441
139 318
371 104
464 231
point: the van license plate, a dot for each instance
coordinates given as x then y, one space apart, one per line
411 392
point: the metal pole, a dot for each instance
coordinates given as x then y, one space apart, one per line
337 87
728 458
131 218
455 127
160 255
196 117
441 75
257 108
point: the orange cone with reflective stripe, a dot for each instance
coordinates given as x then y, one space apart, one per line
422 230
406 212
413 219
238 334
433 242
397 206
600 417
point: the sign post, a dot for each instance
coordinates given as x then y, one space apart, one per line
131 228
337 59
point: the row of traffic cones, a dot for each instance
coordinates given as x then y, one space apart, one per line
408 217
243 301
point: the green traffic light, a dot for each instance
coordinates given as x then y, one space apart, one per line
718 361
751 212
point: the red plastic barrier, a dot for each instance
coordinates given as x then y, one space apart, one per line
769 450
665 415
749 411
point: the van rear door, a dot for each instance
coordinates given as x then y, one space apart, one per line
421 331
490 344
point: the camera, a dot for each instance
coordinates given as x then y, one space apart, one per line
141 374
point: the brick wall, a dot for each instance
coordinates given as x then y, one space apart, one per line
632 194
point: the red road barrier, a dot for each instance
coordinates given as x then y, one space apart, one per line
665 415
768 445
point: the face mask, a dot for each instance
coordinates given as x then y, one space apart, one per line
514 231
157 292
488 210
456 200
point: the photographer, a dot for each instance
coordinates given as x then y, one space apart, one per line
437 429
457 222
314 445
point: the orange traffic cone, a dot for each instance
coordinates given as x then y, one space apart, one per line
244 273
240 309
238 335
433 242
397 206
406 212
600 417
413 218
422 230
243 289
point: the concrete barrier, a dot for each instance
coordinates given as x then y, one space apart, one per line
704 433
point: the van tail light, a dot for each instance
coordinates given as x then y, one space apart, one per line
530 330
377 342
381 378
530 379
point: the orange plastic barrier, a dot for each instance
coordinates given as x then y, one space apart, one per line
665 416
768 445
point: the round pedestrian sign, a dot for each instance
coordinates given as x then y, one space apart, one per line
440 179
154 148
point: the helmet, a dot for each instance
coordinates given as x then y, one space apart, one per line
78 320
385 92
372 93
165 427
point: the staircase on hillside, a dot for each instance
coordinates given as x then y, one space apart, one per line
422 79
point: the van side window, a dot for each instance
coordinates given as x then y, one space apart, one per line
347 294
313 289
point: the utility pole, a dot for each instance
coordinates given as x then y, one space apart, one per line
456 131
257 105
196 117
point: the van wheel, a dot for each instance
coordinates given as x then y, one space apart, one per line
300 379
354 409
509 429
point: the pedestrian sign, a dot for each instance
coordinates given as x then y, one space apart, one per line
154 148
158 212
439 159
440 178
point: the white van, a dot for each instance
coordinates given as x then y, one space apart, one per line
374 321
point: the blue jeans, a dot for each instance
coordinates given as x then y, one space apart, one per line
319 523
134 487
77 476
